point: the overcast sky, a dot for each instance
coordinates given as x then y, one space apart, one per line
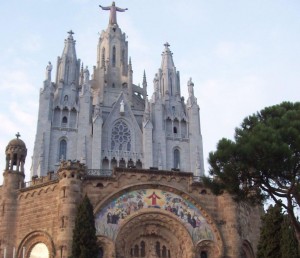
241 55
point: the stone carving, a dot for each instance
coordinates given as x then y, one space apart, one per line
48 71
86 75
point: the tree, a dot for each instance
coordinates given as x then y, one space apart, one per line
288 243
270 237
277 237
84 243
263 161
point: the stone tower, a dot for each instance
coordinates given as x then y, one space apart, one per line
13 180
105 120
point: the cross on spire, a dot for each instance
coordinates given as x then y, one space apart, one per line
70 32
166 44
18 135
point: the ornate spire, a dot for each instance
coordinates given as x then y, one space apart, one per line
167 57
68 64
144 80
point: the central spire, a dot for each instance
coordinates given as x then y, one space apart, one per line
113 12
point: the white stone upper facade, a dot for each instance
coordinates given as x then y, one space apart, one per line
105 120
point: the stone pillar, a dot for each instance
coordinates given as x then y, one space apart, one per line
147 144
70 176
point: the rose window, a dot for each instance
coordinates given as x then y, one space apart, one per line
120 137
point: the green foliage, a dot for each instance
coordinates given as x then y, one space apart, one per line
277 237
288 242
263 160
84 243
269 242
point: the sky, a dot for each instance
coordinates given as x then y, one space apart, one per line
241 55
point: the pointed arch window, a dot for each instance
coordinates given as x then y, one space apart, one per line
143 249
114 56
123 57
64 121
62 149
103 57
157 248
100 253
176 155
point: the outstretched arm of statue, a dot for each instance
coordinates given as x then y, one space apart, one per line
121 9
104 8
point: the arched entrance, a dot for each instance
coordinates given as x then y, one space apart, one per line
40 250
36 244
150 222
154 233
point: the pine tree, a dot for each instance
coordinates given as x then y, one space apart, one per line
84 234
270 237
262 161
288 242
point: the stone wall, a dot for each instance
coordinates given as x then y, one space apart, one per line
45 212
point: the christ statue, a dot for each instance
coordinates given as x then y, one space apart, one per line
113 12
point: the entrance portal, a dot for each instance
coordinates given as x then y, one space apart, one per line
153 234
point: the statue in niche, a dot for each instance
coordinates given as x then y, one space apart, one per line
122 109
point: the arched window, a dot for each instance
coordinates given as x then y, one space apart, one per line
139 164
114 56
157 248
62 150
100 253
143 250
176 158
174 129
164 252
64 121
123 57
203 254
136 251
66 98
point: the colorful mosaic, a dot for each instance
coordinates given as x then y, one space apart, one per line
111 217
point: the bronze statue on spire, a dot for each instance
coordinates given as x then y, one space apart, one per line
113 12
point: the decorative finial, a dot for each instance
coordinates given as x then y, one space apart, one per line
166 44
18 135
70 32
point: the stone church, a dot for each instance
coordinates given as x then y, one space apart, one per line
139 160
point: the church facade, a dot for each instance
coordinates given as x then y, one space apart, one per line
139 160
